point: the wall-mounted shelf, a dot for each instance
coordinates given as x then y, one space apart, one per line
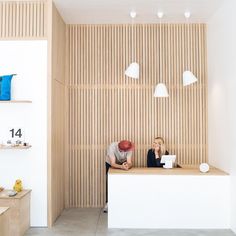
16 101
16 147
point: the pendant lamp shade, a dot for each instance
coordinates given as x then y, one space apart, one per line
161 91
188 78
133 70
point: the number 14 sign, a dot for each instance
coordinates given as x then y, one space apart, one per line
15 134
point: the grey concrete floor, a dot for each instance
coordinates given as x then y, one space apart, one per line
93 222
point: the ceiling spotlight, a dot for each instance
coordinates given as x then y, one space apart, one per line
160 14
187 14
133 14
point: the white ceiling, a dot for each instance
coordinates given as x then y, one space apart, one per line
117 11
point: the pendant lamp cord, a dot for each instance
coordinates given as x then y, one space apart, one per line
132 50
160 60
188 52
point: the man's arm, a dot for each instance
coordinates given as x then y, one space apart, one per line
129 162
117 166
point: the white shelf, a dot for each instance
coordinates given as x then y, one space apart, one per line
16 101
16 147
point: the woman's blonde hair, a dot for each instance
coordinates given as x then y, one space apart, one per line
162 149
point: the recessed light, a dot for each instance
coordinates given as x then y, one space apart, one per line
160 14
133 14
187 14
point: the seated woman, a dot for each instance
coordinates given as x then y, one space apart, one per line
154 154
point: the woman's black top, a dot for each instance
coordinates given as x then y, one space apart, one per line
152 161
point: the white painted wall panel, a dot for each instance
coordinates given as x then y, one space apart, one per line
29 60
221 93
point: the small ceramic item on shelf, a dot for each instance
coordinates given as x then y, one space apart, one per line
18 186
204 167
18 143
12 193
9 143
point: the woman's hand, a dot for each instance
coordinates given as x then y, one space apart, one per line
163 148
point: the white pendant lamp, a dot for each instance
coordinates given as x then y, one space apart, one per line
160 89
188 76
133 69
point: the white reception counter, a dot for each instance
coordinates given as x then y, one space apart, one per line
168 198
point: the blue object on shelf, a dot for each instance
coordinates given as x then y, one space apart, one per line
5 87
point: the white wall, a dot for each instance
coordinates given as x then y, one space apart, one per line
28 59
222 94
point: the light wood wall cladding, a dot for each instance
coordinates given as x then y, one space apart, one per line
57 158
106 106
23 19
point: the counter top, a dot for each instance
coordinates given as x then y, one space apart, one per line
4 194
185 170
3 210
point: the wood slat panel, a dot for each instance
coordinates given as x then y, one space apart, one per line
23 19
106 106
57 158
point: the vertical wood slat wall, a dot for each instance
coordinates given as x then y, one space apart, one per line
57 158
23 19
106 106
